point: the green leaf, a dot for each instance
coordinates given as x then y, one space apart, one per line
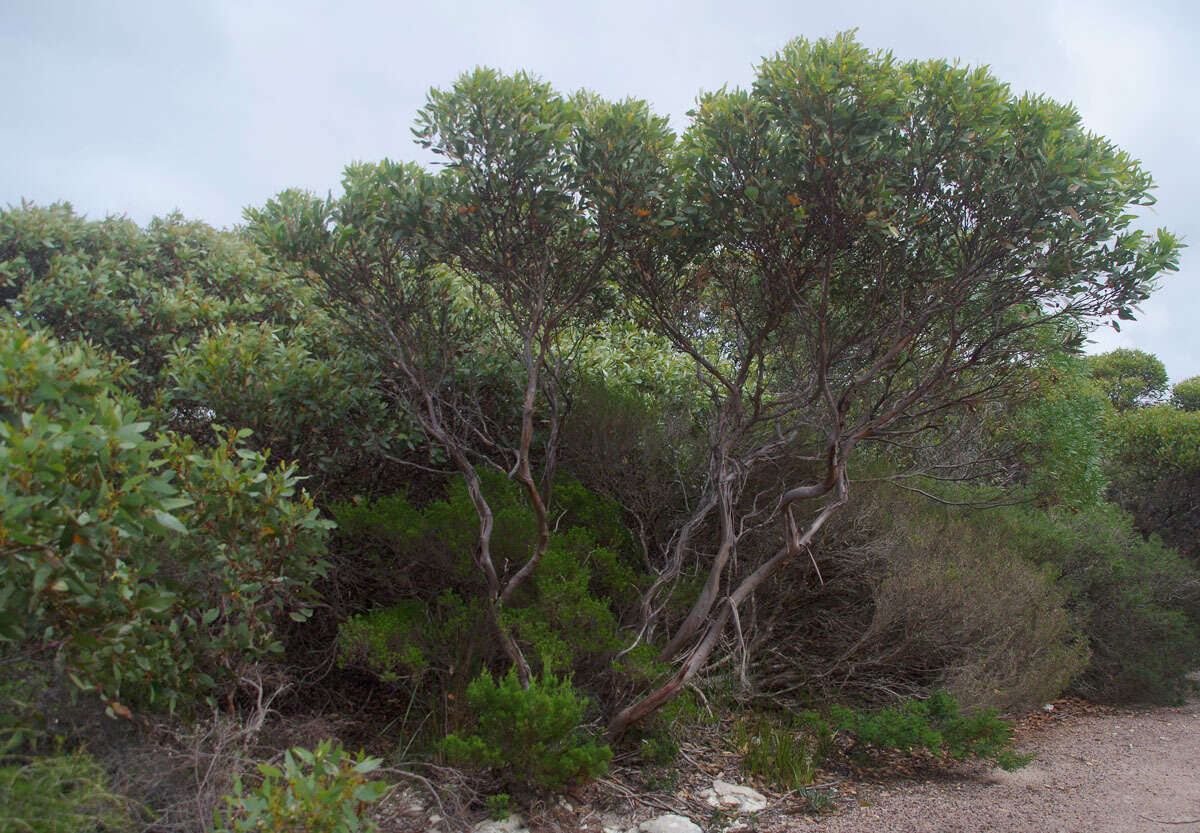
170 522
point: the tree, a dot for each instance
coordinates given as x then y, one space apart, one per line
872 249
1155 471
1186 394
1130 378
477 285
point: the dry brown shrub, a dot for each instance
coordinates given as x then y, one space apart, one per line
911 599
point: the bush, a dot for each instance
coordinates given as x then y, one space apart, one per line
1155 471
916 598
1136 601
528 736
319 791
150 564
565 617
935 725
65 793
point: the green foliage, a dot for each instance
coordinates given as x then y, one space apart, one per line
935 725
1059 435
1135 600
142 560
386 642
323 790
210 332
1186 394
781 754
499 806
62 793
138 293
565 615
1155 471
528 736
1130 378
304 395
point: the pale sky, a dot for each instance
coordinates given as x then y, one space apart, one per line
140 108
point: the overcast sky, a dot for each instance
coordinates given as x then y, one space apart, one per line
140 108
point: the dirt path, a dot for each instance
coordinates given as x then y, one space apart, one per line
1119 772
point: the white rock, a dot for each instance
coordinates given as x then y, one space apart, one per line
734 797
513 824
669 823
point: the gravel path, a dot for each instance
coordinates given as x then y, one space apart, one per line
1120 772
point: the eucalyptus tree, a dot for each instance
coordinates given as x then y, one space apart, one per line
877 248
1129 378
476 283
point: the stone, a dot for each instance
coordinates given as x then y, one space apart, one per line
515 823
734 797
669 823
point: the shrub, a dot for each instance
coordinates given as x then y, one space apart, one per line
566 616
1155 471
935 725
64 793
916 598
147 562
528 736
1136 601
1055 435
319 791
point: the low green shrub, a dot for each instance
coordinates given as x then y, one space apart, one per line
65 793
386 642
528 737
323 790
934 725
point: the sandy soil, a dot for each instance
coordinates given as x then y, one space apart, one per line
1116 772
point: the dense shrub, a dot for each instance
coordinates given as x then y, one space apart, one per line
566 616
63 793
1186 394
323 790
1056 435
147 563
1155 471
1136 601
211 332
915 598
528 736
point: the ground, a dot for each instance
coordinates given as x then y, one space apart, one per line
1095 771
